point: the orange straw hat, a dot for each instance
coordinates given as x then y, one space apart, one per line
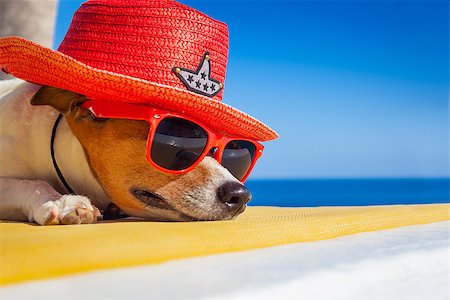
152 52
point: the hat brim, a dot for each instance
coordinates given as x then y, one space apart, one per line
35 63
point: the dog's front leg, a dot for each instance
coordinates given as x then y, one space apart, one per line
35 200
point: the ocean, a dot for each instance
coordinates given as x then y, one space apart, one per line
351 192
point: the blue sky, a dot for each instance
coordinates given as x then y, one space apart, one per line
354 88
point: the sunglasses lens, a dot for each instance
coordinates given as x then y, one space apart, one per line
178 144
238 157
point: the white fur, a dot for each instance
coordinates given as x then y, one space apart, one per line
28 180
208 208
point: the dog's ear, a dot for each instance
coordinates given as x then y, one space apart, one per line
62 100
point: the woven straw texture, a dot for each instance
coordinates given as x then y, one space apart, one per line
126 51
30 252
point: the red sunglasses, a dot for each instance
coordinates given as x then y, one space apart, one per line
177 143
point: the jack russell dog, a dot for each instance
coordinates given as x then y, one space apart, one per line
102 160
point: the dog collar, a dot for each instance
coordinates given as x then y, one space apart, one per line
52 152
113 211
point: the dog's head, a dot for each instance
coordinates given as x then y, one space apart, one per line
116 152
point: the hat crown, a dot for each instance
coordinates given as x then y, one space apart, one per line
146 39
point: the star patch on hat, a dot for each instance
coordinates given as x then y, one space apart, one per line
199 81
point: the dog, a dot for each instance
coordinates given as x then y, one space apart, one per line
104 161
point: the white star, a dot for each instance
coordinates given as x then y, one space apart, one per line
191 79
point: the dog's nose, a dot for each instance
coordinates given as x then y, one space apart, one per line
234 195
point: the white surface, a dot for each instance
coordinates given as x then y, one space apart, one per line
31 19
404 263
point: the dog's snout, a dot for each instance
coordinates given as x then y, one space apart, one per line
234 195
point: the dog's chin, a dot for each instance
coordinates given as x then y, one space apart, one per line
150 199
157 208
161 209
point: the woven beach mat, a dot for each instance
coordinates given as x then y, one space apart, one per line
31 252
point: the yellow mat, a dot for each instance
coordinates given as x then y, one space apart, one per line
30 252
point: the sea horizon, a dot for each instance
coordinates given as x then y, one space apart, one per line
310 192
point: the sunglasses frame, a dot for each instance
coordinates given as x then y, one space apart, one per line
153 116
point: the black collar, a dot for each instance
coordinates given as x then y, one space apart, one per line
113 211
52 152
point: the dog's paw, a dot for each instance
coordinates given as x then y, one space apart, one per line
69 209
76 210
